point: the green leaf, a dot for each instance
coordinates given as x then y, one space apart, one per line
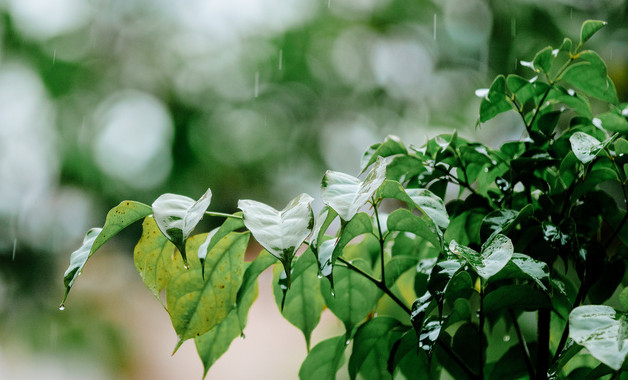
569 351
213 237
589 28
524 267
623 298
571 98
510 365
153 256
589 75
503 221
347 194
585 147
520 296
252 272
118 218
394 190
391 146
440 277
214 343
280 232
324 361
543 60
197 305
360 224
304 303
521 87
496 253
602 331
404 220
495 102
397 266
611 122
177 215
325 217
372 346
431 205
621 146
354 296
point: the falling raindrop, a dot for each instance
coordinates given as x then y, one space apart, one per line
506 338
280 58
256 83
328 3
54 56
434 26
571 13
513 27
14 248
62 307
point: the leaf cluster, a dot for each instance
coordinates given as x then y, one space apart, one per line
441 252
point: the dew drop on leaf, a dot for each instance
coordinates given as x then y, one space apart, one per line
62 307
319 276
506 338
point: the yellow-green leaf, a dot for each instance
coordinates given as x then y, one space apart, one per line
153 255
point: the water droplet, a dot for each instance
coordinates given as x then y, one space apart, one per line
333 294
242 336
14 248
62 307
280 58
434 26
571 92
506 338
256 83
329 4
186 266
320 276
54 56
348 341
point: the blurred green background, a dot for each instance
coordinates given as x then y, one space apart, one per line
102 101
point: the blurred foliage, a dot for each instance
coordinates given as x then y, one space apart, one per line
84 83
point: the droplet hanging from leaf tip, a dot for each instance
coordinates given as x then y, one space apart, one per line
242 336
347 342
62 307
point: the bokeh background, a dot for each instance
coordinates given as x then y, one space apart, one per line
105 100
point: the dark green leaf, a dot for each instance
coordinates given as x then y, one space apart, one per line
589 75
569 351
522 297
495 102
392 145
523 266
372 345
360 224
611 122
543 60
585 147
397 266
623 298
303 303
405 220
589 28
354 296
118 218
324 361
602 331
503 221
177 215
511 365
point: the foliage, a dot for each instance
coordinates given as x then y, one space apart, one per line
532 230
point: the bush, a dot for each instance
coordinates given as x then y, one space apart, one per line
484 240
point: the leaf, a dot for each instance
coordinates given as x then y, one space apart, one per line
428 337
585 147
521 87
372 345
440 277
612 122
589 75
503 221
325 217
543 60
404 220
495 102
496 253
346 194
569 351
177 215
360 224
391 146
280 232
252 272
324 361
304 303
354 295
213 237
589 28
195 304
623 298
520 296
523 266
153 256
214 343
431 205
602 331
118 218
397 266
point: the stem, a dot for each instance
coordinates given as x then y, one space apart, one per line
543 331
381 242
538 108
582 291
481 330
223 215
380 284
523 345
